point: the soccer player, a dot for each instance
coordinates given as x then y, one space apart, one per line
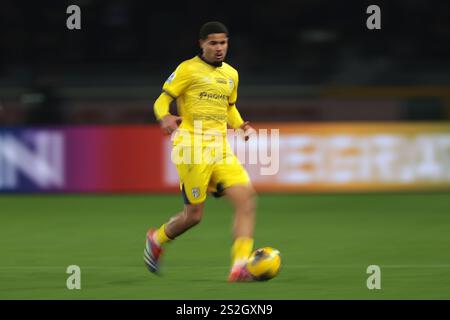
205 89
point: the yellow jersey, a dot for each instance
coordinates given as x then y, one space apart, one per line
204 92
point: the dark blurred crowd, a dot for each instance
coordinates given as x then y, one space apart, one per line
300 41
287 42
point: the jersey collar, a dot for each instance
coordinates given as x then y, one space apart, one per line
215 65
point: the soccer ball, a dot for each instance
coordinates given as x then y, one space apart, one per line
264 263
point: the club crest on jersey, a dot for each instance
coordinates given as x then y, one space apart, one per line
196 192
171 77
231 83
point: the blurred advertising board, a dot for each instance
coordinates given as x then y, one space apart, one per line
359 157
283 157
81 159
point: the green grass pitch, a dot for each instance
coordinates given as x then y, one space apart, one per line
326 242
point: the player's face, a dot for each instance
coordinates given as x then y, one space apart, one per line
215 47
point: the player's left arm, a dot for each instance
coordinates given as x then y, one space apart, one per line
234 118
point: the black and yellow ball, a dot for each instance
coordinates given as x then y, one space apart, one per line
264 263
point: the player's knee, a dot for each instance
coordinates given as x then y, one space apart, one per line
248 203
251 201
194 214
193 220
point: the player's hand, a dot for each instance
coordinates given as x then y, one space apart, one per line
248 130
169 123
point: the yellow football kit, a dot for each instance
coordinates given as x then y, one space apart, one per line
206 97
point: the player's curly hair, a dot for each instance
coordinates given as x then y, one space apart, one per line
212 27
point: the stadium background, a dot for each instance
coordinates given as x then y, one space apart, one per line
361 114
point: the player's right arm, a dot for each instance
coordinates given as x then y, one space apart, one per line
174 86
169 123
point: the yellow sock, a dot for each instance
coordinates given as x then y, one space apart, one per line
241 250
161 236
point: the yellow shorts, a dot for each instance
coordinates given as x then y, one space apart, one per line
196 180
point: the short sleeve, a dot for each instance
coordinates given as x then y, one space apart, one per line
178 81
